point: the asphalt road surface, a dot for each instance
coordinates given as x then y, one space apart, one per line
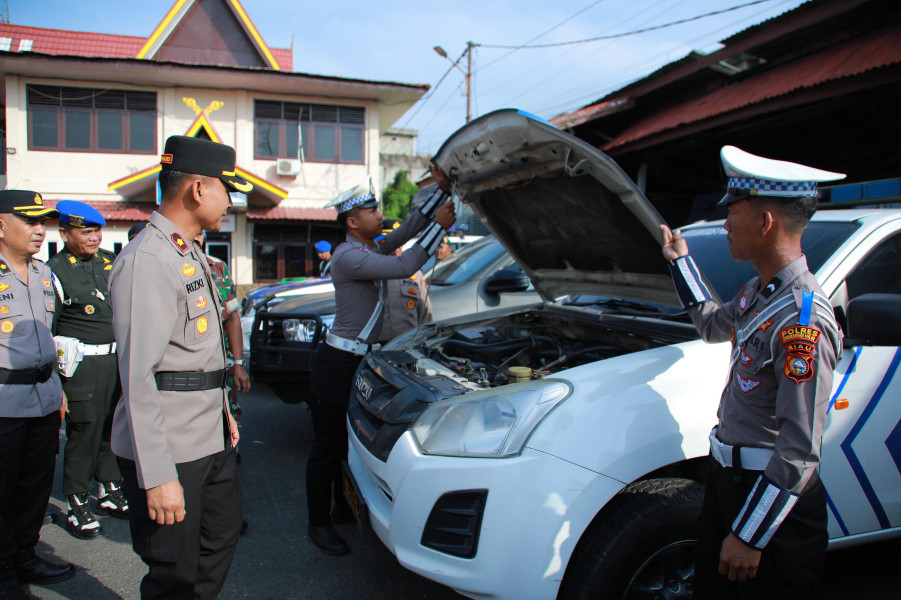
274 560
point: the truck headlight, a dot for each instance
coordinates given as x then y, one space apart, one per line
490 423
304 330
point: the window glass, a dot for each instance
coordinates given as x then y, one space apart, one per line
44 127
295 261
351 144
460 265
142 131
78 129
109 131
710 249
324 141
267 138
879 272
266 261
292 139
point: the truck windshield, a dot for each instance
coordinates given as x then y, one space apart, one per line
710 250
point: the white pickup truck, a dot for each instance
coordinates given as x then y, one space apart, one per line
585 481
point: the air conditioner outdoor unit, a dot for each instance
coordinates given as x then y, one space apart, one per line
288 166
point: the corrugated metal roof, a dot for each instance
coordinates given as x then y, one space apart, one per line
259 213
873 51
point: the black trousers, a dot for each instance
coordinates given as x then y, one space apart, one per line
28 449
330 385
188 560
93 392
791 561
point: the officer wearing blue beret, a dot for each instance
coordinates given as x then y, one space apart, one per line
83 330
763 522
324 252
31 398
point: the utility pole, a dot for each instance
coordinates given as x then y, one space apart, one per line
4 12
467 74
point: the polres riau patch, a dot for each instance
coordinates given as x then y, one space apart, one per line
800 342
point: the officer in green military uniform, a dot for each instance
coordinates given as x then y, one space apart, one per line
83 330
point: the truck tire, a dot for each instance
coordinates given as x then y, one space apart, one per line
641 547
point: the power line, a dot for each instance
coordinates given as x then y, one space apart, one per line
431 93
627 33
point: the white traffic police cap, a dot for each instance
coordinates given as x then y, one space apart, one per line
361 195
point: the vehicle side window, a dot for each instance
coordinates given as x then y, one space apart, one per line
879 271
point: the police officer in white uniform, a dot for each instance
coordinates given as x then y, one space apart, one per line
172 431
31 397
359 267
763 523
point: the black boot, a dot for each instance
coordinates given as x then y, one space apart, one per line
328 540
31 568
9 585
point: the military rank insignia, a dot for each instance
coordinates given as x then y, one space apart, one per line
799 342
202 325
7 326
89 309
108 267
73 261
188 270
180 242
105 259
3 267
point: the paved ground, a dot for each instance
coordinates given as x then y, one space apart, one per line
274 561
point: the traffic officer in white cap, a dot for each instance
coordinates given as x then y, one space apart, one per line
763 522
359 267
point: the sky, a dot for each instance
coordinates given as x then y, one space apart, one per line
386 40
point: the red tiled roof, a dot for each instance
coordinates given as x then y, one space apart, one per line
877 50
259 213
118 211
71 43
78 43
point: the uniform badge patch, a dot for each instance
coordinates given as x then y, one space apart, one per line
766 325
105 259
46 283
89 309
202 325
53 304
188 270
3 269
73 261
800 342
4 287
182 245
7 326
201 302
743 302
4 310
746 384
410 304
745 360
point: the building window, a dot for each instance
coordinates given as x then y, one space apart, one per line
325 133
91 120
288 250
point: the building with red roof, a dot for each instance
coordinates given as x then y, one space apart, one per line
87 115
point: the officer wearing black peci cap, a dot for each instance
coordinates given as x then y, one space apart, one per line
172 431
137 228
31 398
83 330
358 268
763 522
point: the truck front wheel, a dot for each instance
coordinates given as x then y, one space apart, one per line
642 547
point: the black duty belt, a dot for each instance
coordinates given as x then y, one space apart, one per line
190 381
26 376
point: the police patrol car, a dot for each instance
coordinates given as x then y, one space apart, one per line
582 480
